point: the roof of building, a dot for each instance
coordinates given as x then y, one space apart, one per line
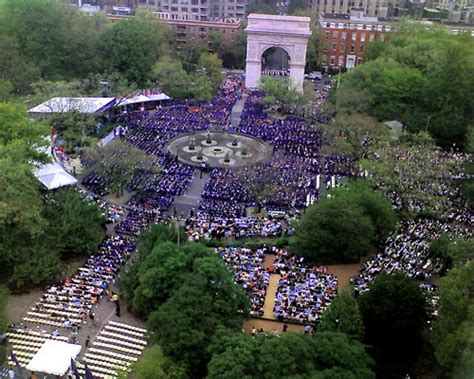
79 104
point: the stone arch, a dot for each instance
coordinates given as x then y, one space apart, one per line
286 32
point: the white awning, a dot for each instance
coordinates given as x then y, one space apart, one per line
54 357
53 176
78 104
144 99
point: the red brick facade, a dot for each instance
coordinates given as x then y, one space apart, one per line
345 39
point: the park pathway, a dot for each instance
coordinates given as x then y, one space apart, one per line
270 296
190 199
237 112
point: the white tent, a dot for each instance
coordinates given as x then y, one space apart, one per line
143 99
69 104
54 357
53 176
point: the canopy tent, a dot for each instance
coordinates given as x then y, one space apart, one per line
79 104
52 175
54 357
141 98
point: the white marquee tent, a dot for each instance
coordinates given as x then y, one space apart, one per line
54 357
138 99
69 104
52 175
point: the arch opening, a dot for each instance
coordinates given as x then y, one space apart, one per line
275 61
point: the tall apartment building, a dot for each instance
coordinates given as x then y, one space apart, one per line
375 8
197 10
345 38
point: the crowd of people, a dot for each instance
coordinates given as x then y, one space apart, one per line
304 292
202 227
249 274
407 249
70 304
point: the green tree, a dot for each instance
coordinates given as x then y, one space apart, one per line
460 251
216 42
185 323
280 94
355 134
75 128
291 355
5 90
262 8
40 29
3 307
405 79
394 314
129 279
26 252
131 48
239 45
154 365
343 315
211 67
454 328
439 248
313 59
118 161
15 67
162 271
296 6
171 78
74 223
17 127
406 169
344 226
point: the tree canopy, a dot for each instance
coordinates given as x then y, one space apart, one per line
187 293
394 313
131 48
343 315
74 223
290 355
421 77
454 328
344 226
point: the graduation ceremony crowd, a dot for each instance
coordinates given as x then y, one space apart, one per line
407 249
303 291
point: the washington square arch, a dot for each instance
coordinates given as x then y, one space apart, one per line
269 31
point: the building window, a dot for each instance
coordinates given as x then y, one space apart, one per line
334 46
342 48
361 48
352 48
344 35
359 60
362 37
372 36
332 61
341 61
335 35
382 37
327 35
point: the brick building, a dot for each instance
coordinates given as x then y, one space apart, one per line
193 30
345 38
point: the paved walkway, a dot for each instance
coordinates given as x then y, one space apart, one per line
237 111
190 199
270 296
